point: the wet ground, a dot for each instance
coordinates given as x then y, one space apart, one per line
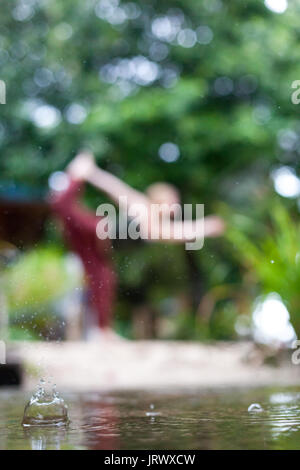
212 419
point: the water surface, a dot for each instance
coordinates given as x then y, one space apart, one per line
169 420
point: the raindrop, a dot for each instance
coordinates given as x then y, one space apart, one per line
255 408
45 408
152 413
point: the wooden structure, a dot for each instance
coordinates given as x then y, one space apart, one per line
22 222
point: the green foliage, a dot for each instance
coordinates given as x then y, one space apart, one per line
63 54
271 258
21 333
38 277
33 284
225 101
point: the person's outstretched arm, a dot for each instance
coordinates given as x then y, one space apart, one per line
114 188
139 206
182 231
83 166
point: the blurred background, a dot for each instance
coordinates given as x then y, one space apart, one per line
197 94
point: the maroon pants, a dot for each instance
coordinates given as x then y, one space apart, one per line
96 255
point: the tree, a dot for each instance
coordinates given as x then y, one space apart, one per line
211 78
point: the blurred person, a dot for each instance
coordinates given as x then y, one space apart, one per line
81 226
166 197
163 195
80 232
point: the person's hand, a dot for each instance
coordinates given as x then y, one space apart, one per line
82 166
214 226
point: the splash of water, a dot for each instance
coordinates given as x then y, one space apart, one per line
255 408
152 412
45 408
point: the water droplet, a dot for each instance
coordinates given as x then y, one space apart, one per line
152 413
255 408
45 408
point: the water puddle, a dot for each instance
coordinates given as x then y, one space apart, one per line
214 419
